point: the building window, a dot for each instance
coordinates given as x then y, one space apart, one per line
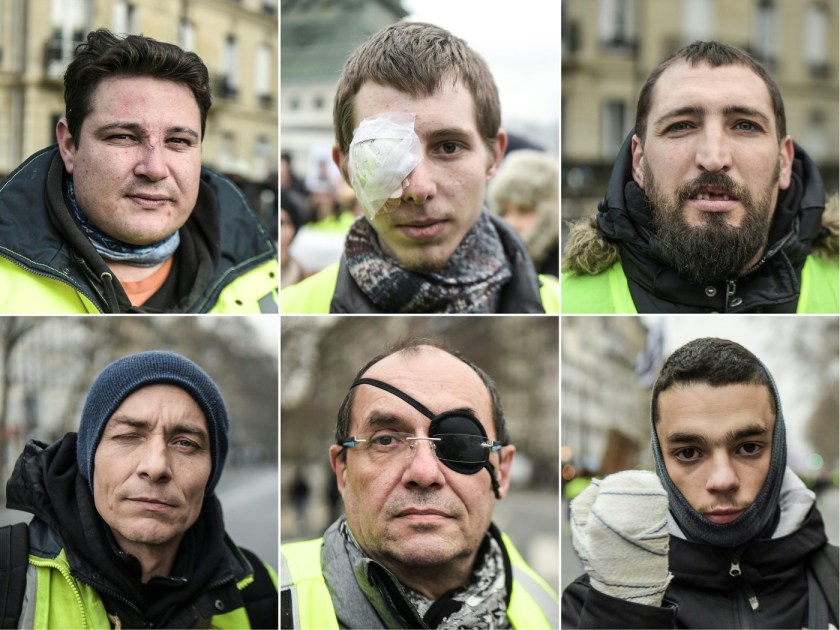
229 80
698 19
263 74
70 23
616 24
615 126
186 34
766 32
125 18
815 37
817 138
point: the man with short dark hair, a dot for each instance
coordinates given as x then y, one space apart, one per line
420 456
127 530
120 216
724 535
418 136
711 206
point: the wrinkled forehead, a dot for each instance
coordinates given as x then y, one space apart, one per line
682 85
432 377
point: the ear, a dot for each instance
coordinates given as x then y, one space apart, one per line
340 160
785 162
497 153
66 144
638 153
503 469
339 466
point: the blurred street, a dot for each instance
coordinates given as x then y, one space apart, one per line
249 502
827 502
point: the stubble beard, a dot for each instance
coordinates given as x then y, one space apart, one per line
715 251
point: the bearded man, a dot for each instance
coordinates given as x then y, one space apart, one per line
711 206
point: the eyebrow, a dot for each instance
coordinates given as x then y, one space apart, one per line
752 430
696 110
139 131
447 133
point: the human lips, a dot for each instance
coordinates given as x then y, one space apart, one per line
422 513
149 200
722 516
422 229
710 199
151 503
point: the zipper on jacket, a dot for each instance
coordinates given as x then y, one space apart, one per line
731 300
752 598
57 278
45 563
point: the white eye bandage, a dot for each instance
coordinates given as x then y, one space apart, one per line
383 153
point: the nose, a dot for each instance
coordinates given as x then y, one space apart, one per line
713 152
722 476
423 469
154 462
151 163
421 184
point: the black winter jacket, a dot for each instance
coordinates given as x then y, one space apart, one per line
47 483
765 585
222 241
624 222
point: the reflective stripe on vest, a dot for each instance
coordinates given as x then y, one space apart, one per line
532 602
607 292
55 599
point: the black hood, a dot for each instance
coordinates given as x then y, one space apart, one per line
624 217
46 482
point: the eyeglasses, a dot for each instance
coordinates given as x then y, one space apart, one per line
457 448
457 437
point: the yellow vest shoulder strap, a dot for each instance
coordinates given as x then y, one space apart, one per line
605 293
820 285
533 603
311 295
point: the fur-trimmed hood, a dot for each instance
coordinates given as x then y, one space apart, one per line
594 242
586 253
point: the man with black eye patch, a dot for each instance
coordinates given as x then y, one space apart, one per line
711 206
421 454
724 535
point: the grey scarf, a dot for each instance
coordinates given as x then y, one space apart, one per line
479 604
469 283
758 519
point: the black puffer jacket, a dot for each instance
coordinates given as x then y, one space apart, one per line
222 241
624 229
773 589
204 577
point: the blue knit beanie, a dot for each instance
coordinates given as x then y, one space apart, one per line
126 375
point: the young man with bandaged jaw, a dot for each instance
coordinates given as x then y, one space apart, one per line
724 535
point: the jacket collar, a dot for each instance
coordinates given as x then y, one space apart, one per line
366 594
771 286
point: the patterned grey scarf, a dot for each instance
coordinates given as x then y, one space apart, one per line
469 283
113 249
479 604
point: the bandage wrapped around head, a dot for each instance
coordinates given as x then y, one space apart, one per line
384 151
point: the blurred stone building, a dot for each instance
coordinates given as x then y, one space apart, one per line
604 402
237 39
610 46
316 36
